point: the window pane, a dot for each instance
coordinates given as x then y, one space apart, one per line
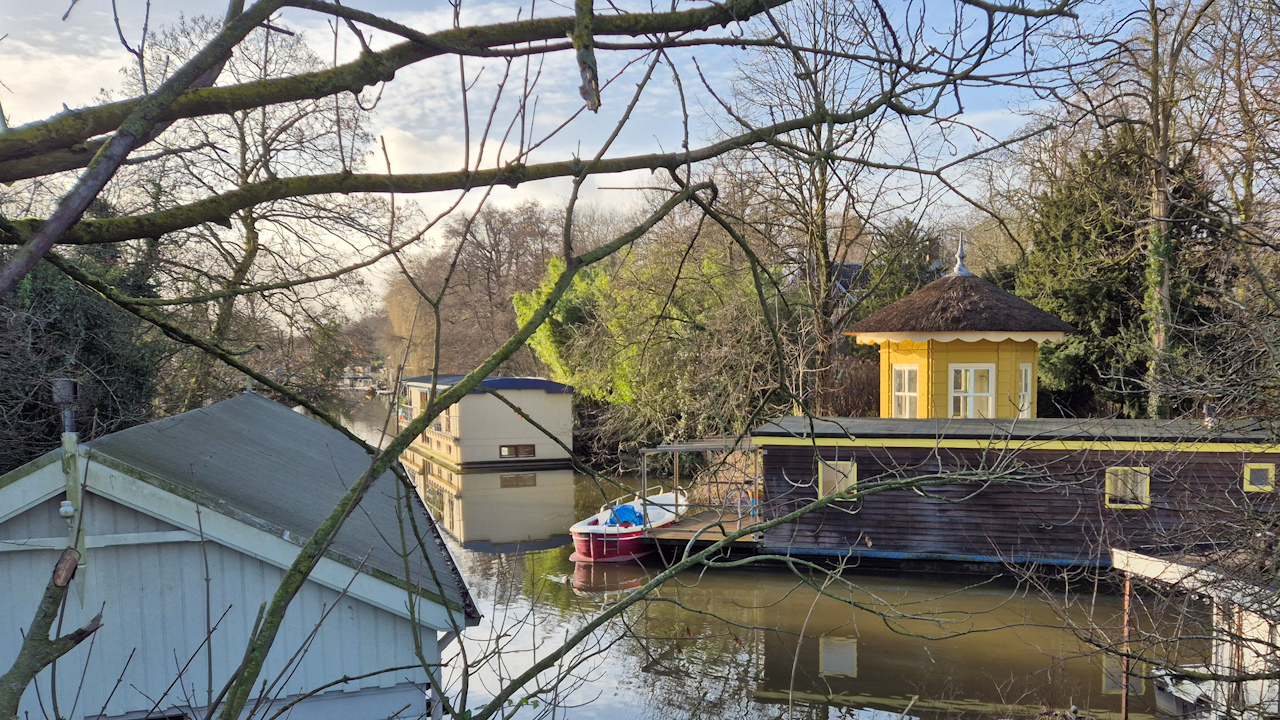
911 381
956 404
518 481
958 380
911 407
897 380
982 381
898 409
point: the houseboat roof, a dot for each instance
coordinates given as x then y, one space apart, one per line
283 472
494 383
1100 430
960 303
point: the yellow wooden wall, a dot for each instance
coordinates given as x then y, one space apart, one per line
934 359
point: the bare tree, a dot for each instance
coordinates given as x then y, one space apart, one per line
902 77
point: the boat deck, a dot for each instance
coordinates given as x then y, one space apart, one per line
709 526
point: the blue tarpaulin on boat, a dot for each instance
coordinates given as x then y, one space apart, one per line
625 514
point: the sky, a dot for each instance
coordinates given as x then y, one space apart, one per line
47 63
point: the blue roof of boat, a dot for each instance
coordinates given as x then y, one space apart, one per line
495 383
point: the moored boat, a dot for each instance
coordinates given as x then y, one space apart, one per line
617 532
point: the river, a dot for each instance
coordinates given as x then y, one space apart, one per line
764 642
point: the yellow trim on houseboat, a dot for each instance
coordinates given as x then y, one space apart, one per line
1020 444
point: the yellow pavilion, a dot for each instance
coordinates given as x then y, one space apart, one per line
959 347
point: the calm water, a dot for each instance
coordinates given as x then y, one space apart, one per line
758 643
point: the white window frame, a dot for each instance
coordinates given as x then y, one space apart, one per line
1271 477
1026 386
951 390
1112 495
836 476
914 397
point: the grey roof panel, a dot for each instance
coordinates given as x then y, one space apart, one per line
494 382
287 471
1101 429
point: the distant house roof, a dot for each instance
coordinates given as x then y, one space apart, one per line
495 383
1102 430
846 278
960 303
284 472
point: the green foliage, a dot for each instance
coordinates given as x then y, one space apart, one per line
555 342
1089 264
669 344
904 257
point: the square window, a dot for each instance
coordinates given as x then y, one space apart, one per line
1259 477
973 391
834 477
1129 488
838 656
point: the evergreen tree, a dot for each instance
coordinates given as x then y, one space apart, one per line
51 327
1088 263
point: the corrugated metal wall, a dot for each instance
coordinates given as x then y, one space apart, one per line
152 597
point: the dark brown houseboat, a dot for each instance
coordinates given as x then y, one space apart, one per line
958 373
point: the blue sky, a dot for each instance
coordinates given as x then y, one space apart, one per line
46 62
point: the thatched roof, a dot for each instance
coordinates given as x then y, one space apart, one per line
960 303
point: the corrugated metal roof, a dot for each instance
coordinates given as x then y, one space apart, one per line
1101 429
494 383
287 472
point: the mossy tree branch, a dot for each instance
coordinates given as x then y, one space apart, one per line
69 130
134 129
219 208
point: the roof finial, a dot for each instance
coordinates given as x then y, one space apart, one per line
961 270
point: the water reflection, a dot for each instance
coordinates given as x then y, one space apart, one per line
509 511
756 643
503 512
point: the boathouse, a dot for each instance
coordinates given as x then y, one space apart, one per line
995 483
484 450
186 526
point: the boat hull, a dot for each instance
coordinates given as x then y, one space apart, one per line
611 547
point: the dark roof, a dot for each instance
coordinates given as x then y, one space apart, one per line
496 383
1086 429
284 472
850 276
960 303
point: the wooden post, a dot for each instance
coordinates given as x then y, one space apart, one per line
676 456
1124 678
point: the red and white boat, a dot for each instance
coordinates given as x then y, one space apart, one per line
617 532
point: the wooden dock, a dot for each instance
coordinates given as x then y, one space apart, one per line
709 526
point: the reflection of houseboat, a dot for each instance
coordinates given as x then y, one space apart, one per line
998 655
491 477
488 510
958 377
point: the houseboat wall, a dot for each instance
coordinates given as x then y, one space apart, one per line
1046 503
481 430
